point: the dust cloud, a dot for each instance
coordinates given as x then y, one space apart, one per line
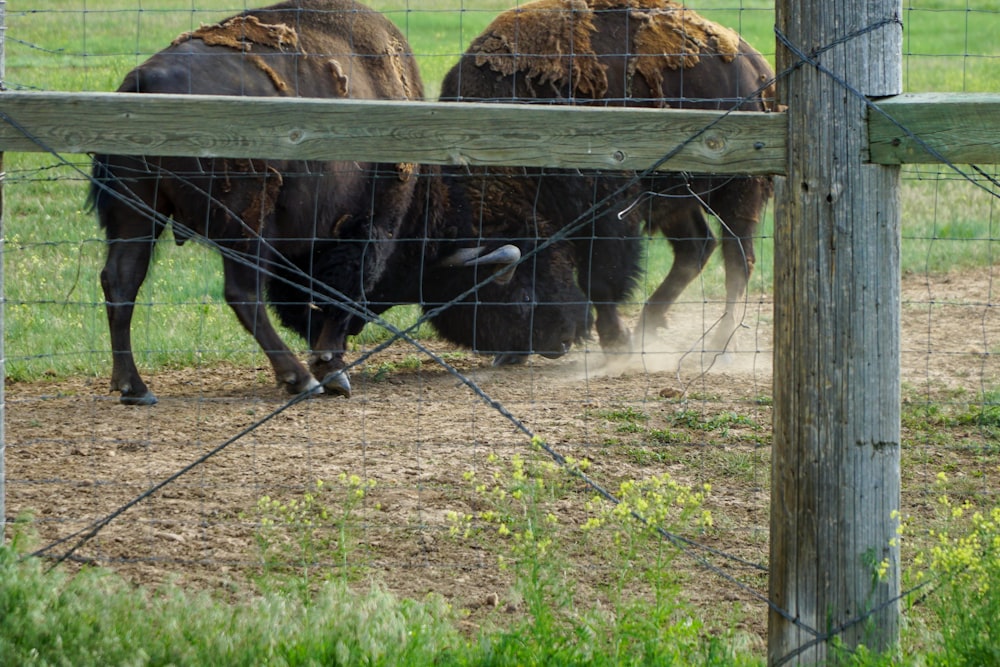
682 351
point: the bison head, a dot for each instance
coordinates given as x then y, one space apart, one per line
534 308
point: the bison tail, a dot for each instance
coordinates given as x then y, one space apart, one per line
99 195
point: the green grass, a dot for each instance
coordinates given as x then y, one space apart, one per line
95 618
950 45
558 609
561 611
937 419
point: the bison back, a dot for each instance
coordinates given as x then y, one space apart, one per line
611 52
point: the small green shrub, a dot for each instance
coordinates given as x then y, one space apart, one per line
960 576
311 538
630 608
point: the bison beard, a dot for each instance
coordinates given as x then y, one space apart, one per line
650 53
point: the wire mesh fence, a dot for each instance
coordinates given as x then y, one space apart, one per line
418 477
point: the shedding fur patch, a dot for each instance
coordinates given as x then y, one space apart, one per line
340 80
405 171
396 51
669 36
548 42
241 33
673 37
263 198
280 84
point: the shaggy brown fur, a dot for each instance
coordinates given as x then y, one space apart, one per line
263 201
512 44
242 32
675 38
396 51
340 79
549 42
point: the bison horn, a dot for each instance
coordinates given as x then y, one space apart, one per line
503 257
506 255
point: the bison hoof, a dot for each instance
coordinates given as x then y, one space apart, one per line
563 350
145 399
338 383
312 386
510 359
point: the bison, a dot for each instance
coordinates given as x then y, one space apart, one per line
328 243
272 220
649 53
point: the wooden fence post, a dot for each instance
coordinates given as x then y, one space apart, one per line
834 569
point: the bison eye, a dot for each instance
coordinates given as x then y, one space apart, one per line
523 301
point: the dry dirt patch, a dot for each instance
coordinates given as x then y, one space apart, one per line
74 454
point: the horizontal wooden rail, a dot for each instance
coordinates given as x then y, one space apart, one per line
961 128
474 134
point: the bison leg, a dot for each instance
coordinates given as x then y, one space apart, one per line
244 294
739 206
124 270
327 359
612 331
611 328
693 242
738 254
606 276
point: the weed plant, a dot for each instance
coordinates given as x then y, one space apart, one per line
628 611
312 539
954 576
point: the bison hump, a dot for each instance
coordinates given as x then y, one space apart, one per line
670 37
548 43
242 33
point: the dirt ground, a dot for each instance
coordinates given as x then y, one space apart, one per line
74 455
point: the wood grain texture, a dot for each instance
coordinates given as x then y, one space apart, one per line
386 131
835 466
962 128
